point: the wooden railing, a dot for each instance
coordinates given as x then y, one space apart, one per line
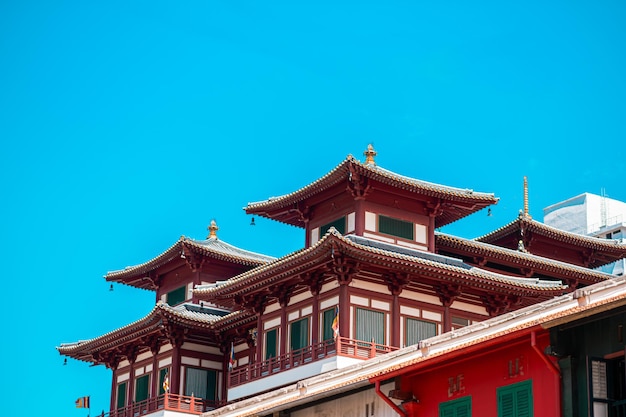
312 353
169 402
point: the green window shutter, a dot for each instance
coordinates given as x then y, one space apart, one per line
396 227
339 224
142 387
121 395
456 408
176 296
162 374
299 334
370 325
327 329
271 343
417 330
201 383
516 400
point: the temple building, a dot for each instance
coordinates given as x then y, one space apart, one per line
375 277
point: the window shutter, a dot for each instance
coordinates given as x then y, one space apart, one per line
142 388
395 227
327 329
339 224
370 325
417 330
456 408
121 395
516 400
270 344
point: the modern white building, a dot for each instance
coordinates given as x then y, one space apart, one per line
591 215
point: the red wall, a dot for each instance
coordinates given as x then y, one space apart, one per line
479 374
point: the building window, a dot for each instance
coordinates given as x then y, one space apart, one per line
417 330
328 316
176 296
162 373
370 326
458 322
516 400
456 408
396 227
271 343
121 395
142 388
339 224
201 383
299 334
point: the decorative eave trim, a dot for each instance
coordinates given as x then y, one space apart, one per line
523 259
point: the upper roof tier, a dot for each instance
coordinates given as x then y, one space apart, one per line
187 248
550 242
448 203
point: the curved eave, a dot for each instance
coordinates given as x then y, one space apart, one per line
151 323
605 246
461 202
322 252
518 258
135 275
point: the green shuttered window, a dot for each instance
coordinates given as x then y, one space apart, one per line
327 329
370 326
339 224
456 408
176 296
271 343
142 388
417 330
201 383
299 334
516 400
396 227
121 395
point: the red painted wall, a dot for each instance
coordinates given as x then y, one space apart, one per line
480 374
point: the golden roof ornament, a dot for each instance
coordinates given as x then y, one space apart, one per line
370 153
212 230
526 214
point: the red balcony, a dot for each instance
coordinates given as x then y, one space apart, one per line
350 348
166 402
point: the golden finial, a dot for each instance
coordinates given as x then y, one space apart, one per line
212 230
526 214
370 153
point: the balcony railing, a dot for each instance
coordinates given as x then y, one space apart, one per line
167 402
343 347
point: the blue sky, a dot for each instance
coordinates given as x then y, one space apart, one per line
125 125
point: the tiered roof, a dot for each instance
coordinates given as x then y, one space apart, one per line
455 203
153 328
596 251
212 247
423 268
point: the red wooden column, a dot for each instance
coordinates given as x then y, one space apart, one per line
131 355
447 294
176 339
283 299
344 269
395 284
112 364
154 349
314 281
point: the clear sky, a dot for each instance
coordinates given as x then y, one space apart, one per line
125 125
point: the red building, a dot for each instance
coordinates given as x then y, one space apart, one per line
230 324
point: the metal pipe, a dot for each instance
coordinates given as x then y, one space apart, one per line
388 401
553 367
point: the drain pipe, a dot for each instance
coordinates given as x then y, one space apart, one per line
553 367
388 401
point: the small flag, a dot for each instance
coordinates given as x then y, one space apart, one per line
82 402
166 382
231 361
335 325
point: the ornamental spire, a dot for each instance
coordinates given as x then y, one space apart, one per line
526 214
212 230
370 153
